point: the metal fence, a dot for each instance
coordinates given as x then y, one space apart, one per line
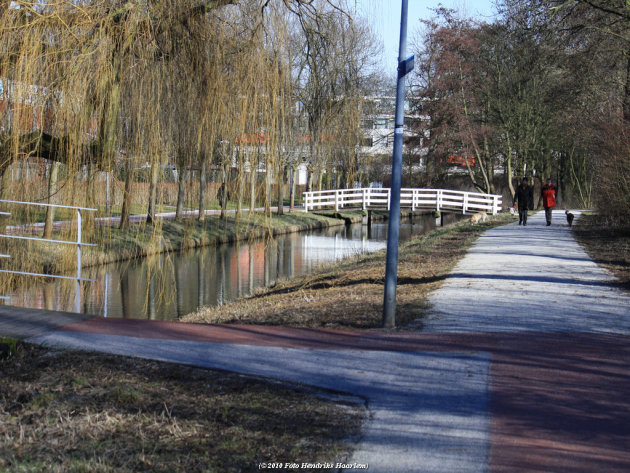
78 243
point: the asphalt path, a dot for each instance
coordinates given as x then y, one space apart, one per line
528 278
136 218
522 365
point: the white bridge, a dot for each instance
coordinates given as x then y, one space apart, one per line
413 199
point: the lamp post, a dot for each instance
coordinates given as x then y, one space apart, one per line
391 266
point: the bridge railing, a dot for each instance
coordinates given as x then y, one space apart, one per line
414 199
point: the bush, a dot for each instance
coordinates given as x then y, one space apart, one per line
612 174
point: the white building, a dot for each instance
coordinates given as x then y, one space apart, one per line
378 123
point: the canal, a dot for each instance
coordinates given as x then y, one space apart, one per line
168 286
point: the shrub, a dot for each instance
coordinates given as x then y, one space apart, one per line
612 174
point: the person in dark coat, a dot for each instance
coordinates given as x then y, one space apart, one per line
524 196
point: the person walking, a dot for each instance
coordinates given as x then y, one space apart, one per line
524 196
548 196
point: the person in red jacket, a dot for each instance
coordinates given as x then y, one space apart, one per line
548 196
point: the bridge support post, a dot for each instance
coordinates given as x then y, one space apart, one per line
439 219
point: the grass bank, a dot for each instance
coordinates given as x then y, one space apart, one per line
72 412
350 294
608 245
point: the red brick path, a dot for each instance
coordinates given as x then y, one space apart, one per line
558 402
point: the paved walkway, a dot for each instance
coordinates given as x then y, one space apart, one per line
499 381
533 278
136 218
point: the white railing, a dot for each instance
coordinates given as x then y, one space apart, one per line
415 199
78 243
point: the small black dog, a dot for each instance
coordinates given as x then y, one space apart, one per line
570 217
5 351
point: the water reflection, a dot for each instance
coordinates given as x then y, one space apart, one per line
166 287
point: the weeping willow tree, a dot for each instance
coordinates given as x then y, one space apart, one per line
331 76
58 105
135 90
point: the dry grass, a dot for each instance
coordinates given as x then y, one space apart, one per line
607 244
350 294
66 411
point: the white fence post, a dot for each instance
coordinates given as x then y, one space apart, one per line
77 300
413 200
336 201
363 198
78 244
465 205
389 197
307 196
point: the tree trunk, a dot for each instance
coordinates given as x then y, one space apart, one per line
241 184
181 192
155 167
252 185
292 191
509 172
90 198
225 193
309 185
126 204
268 168
4 189
202 190
488 172
471 174
52 190
280 181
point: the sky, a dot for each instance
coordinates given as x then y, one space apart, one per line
384 16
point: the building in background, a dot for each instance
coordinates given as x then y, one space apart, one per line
377 140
